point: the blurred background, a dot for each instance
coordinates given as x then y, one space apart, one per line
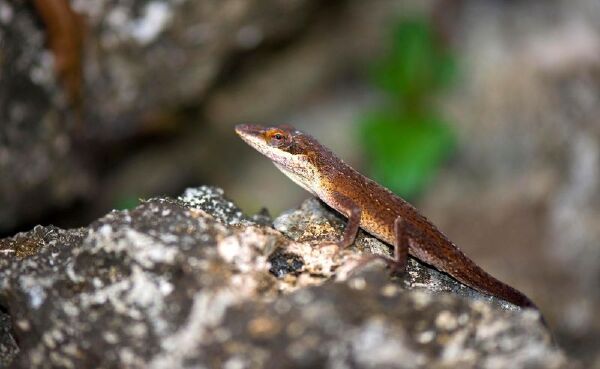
483 113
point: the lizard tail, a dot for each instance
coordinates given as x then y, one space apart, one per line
475 277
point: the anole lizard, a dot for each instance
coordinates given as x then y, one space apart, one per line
370 206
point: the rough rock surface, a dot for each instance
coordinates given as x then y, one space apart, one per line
35 163
192 282
522 192
129 48
184 46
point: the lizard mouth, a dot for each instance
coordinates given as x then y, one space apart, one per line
248 129
253 135
249 133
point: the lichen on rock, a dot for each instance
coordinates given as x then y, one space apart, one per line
193 282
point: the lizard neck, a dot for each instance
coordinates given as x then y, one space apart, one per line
299 180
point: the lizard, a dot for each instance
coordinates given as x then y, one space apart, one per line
372 207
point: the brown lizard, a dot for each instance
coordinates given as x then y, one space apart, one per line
372 207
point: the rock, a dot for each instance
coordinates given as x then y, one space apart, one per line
38 170
8 346
52 149
185 46
187 282
521 194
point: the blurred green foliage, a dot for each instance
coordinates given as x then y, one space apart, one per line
405 138
126 202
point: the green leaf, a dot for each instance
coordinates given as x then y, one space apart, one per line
405 140
405 152
126 202
416 62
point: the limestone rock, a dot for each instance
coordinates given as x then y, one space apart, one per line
193 282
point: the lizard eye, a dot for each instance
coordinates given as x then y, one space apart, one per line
278 138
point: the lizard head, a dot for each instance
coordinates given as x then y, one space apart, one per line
292 151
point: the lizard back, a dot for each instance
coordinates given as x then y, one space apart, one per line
380 208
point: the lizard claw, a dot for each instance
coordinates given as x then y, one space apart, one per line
334 246
329 244
396 269
394 266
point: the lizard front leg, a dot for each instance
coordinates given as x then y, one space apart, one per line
350 210
398 264
353 212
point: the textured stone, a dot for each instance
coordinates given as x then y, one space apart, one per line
521 194
187 282
185 46
35 163
51 144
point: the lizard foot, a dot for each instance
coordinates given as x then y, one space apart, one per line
394 266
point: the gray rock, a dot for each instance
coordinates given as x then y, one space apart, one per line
521 194
187 282
184 46
131 47
8 346
37 169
